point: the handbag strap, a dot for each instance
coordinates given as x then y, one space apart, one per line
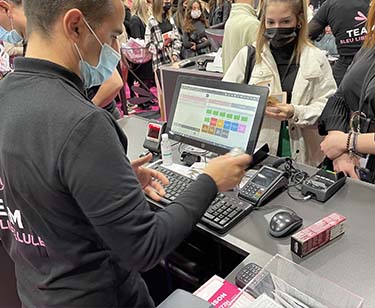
250 63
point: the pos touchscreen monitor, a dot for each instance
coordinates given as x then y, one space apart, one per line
216 115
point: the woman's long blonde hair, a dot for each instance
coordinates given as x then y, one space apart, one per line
299 8
142 9
157 10
370 37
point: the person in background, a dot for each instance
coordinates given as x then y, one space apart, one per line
348 27
258 4
12 19
219 11
287 62
4 62
355 94
179 15
310 11
162 35
14 50
206 10
327 43
12 29
240 30
88 229
316 4
12 22
128 15
195 41
104 95
141 12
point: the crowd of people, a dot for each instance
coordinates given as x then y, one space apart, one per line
65 177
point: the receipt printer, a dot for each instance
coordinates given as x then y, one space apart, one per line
323 185
153 137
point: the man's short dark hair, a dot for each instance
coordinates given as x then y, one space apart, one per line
42 14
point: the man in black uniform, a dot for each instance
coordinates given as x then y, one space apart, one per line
347 19
73 215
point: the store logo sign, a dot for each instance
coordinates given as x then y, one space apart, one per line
362 18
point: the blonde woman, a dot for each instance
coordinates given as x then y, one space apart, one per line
287 62
141 12
179 15
128 15
162 35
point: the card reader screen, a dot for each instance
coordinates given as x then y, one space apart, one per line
265 177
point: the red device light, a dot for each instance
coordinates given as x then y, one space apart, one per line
154 131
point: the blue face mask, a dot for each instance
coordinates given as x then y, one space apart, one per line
11 37
108 60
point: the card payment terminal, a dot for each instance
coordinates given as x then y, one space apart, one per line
263 184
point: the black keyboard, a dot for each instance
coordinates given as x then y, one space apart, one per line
224 212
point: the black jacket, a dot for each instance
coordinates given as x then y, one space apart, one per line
219 15
77 224
137 28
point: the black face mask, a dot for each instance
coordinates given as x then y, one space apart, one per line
279 37
167 6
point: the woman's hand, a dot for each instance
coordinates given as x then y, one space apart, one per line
334 145
280 112
346 164
174 58
193 46
167 41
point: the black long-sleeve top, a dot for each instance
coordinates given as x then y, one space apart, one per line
337 112
198 36
137 28
127 18
287 69
80 228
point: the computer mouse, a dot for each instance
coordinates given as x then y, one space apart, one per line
284 223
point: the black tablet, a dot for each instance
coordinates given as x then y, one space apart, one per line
216 115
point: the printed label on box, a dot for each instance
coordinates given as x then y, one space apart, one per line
220 293
318 234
